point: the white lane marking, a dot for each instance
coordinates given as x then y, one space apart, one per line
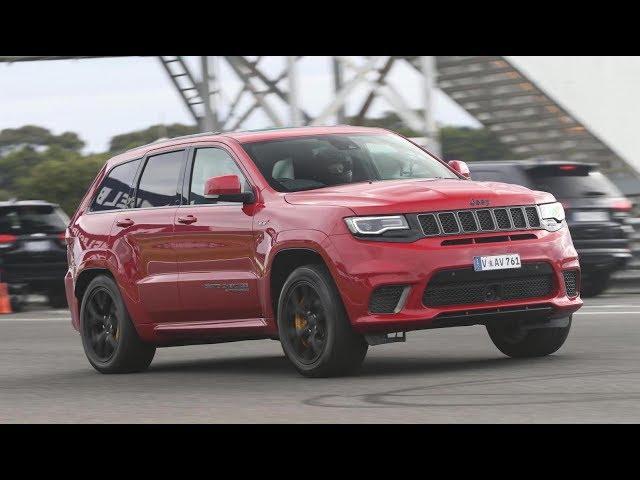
611 306
580 312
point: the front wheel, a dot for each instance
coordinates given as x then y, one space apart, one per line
517 342
109 337
313 326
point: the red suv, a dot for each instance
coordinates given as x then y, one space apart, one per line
329 239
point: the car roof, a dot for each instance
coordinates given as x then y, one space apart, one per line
246 136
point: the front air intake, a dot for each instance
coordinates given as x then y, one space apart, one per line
464 286
571 278
387 299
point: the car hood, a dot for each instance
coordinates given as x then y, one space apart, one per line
410 196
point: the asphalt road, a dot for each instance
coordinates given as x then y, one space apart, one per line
448 375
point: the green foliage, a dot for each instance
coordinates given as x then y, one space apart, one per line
126 141
61 180
30 136
472 144
18 164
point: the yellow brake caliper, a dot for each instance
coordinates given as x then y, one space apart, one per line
300 322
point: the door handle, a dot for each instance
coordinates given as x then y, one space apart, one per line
187 220
125 222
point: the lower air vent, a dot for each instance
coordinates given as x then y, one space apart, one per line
571 282
466 287
385 299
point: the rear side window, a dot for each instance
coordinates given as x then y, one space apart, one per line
29 219
115 190
158 185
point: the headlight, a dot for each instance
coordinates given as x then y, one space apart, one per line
376 225
552 215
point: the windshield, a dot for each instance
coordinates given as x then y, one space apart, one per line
306 163
574 183
28 219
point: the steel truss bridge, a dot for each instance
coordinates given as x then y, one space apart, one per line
489 88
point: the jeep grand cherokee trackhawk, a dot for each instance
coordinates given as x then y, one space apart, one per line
329 239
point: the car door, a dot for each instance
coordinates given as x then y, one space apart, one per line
142 238
214 243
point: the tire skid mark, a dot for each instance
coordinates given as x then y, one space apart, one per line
394 398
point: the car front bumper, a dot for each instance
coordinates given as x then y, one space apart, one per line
362 266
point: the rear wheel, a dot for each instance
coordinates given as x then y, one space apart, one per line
109 338
314 329
515 341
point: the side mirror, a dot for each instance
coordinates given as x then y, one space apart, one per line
226 188
461 167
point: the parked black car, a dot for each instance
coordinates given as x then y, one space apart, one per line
33 255
596 211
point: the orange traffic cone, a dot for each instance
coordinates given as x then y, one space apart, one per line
5 302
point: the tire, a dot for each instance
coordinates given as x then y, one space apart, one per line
109 337
595 284
57 300
314 329
516 342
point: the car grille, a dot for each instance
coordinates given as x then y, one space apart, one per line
481 220
571 282
466 286
385 299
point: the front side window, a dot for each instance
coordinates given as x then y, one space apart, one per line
306 163
158 185
212 162
114 191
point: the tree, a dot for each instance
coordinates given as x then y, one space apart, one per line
32 136
18 164
61 178
126 141
472 144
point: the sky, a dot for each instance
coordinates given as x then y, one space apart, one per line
100 98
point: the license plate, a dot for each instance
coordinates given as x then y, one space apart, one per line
36 246
593 216
496 262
